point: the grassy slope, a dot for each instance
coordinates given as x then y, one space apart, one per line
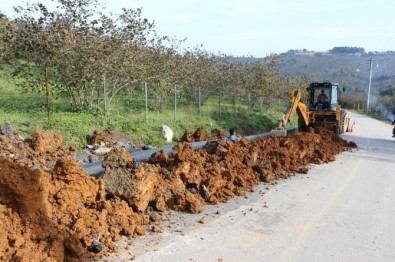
28 111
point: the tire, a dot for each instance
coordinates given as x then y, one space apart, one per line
343 122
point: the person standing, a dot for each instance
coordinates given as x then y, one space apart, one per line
393 130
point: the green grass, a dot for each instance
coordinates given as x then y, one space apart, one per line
76 127
27 112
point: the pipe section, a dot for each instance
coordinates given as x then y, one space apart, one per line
96 169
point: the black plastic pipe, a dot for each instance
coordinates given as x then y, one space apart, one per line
96 169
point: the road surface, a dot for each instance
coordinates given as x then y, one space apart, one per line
340 211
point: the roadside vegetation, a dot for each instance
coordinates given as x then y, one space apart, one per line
29 111
77 69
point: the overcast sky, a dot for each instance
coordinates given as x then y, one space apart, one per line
263 27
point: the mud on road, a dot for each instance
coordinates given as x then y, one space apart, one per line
52 210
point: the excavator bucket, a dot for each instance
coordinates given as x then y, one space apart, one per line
293 104
280 132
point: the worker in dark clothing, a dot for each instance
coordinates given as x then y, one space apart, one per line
232 135
322 99
393 130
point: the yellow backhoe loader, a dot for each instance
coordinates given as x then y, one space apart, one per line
322 110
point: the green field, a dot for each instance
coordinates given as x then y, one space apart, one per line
28 111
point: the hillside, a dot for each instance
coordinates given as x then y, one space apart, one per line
350 70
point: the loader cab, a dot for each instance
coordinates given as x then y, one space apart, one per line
317 91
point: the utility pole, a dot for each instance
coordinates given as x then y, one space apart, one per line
370 82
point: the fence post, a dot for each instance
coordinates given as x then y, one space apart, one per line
146 102
219 102
199 106
105 98
175 102
47 94
249 102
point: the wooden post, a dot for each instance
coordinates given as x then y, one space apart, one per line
175 103
105 99
219 101
249 102
47 94
199 99
146 102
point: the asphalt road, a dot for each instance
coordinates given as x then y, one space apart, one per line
340 211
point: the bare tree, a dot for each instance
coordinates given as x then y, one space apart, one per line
93 56
87 48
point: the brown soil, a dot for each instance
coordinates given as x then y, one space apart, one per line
109 137
52 210
201 135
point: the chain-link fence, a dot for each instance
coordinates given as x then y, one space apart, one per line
146 103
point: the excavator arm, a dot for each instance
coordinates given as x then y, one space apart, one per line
295 105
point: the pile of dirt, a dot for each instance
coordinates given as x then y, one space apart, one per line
187 179
101 142
201 135
51 209
110 137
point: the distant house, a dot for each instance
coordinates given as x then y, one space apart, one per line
307 53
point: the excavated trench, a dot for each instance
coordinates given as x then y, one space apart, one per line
52 210
96 168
